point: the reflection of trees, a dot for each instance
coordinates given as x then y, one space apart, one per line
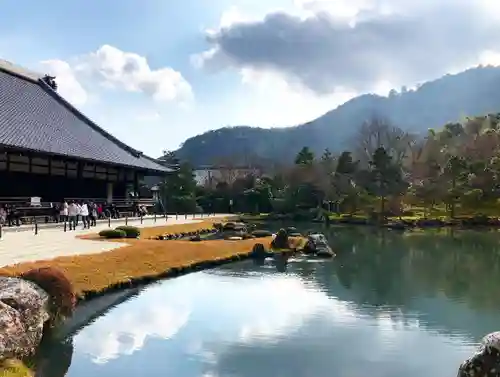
54 357
434 273
463 265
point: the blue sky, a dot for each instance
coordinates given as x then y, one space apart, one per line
156 72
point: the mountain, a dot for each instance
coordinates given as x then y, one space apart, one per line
433 104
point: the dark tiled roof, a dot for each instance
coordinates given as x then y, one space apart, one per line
34 117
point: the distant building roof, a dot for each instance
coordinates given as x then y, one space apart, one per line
35 117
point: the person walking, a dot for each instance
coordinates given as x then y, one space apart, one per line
72 215
84 213
92 214
78 212
63 211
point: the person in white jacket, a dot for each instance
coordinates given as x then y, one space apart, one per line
63 211
72 215
84 213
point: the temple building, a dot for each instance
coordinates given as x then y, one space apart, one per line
50 150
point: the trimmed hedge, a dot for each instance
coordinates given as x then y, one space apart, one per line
130 231
58 287
112 233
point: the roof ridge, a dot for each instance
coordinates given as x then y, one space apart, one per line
87 120
18 71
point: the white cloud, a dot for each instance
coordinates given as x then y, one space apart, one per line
68 85
284 103
148 116
362 45
131 72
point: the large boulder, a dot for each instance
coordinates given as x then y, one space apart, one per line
317 244
281 241
486 360
259 251
24 310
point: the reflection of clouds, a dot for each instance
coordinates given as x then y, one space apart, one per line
123 332
284 320
285 303
262 324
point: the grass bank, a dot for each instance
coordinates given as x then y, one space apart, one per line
412 219
142 260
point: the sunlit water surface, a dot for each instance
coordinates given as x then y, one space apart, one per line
390 305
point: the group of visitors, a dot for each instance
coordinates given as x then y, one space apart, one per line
71 211
74 211
9 215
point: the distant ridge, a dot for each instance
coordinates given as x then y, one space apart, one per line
475 91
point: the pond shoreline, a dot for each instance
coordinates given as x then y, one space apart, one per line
170 273
463 222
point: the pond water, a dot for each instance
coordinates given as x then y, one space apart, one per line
390 305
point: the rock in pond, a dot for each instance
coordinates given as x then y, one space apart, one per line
24 309
317 244
259 251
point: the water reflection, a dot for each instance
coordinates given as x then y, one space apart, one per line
388 305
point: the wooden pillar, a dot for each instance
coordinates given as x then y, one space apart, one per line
136 184
109 193
79 170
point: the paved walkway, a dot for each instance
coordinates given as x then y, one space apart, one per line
17 247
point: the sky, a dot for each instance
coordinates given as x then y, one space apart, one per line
156 72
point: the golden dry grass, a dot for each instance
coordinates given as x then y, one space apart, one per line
139 259
142 258
152 232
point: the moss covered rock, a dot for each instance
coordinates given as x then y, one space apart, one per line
262 233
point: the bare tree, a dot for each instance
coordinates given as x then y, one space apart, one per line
377 133
227 171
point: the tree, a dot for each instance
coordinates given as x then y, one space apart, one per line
304 157
385 177
169 158
178 190
454 173
344 178
50 81
377 133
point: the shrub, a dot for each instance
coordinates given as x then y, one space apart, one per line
130 231
62 298
112 233
261 233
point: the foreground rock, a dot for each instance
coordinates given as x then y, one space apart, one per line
486 361
317 244
24 310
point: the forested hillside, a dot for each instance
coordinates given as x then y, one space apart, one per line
448 99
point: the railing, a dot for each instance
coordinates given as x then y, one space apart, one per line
23 211
64 225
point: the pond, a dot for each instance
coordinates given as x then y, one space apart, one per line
391 304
